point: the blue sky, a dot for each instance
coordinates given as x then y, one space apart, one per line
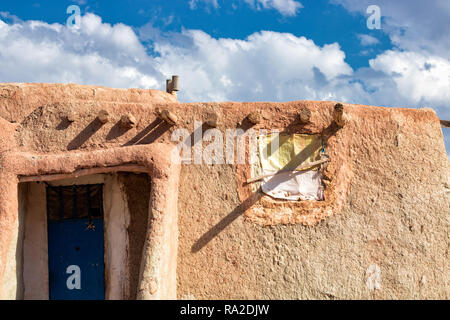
241 50
320 20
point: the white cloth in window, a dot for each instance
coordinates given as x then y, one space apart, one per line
286 152
294 185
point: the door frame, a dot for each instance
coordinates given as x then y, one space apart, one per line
157 279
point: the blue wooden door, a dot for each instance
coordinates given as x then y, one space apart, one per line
75 243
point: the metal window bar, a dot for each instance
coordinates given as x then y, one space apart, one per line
101 200
57 203
88 194
61 203
74 189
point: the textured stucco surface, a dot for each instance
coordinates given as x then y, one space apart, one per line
386 200
395 215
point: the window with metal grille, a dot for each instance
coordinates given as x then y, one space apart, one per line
75 202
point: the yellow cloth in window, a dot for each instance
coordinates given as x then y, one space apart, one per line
289 152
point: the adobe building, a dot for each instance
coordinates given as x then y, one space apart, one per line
352 203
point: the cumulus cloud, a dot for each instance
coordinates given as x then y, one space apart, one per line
280 66
405 79
419 79
266 65
96 53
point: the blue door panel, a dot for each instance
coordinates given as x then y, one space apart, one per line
76 263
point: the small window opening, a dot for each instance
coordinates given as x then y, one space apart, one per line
289 166
75 202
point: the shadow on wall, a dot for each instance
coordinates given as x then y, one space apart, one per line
148 135
84 135
137 188
64 124
225 222
22 194
116 131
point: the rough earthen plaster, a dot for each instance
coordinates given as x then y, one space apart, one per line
386 200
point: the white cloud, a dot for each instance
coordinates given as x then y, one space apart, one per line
419 79
193 3
97 53
266 65
367 40
413 25
416 71
280 66
285 7
404 79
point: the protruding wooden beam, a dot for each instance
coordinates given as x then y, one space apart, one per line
71 116
127 121
445 123
304 115
212 119
338 115
299 168
168 116
254 117
103 116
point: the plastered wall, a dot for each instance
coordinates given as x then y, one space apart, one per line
380 233
389 240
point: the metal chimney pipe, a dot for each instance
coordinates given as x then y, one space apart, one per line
172 84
